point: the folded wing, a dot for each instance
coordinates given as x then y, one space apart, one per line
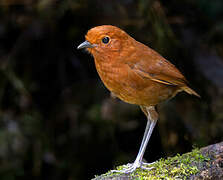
160 71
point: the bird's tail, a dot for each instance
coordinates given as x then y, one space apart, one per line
190 91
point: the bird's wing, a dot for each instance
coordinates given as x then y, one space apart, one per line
160 71
161 78
156 68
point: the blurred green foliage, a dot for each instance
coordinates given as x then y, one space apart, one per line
57 120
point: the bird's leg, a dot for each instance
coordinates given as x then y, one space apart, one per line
152 117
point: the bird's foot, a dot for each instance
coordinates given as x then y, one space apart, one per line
129 168
147 166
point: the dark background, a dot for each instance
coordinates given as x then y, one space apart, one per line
57 120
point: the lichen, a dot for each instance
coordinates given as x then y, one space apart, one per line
177 167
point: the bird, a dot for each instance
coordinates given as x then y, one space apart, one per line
136 74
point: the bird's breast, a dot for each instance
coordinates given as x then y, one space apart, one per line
110 74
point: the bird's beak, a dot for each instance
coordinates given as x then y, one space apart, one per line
85 44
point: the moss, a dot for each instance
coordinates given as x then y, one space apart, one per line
177 167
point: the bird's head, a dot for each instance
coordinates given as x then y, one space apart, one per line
104 40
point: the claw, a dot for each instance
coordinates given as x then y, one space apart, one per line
132 167
125 171
145 166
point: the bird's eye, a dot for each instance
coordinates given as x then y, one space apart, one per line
105 40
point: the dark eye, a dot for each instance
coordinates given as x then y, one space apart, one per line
105 40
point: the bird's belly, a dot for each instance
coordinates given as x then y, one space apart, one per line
149 96
142 92
152 94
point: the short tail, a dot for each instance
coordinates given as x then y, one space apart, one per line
190 91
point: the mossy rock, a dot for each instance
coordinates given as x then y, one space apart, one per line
199 164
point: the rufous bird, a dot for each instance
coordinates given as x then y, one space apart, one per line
134 73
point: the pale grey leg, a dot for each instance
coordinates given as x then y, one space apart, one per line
147 135
151 122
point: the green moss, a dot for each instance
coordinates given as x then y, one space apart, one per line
177 167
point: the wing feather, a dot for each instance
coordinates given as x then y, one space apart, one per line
156 68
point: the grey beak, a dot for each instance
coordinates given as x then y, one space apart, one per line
85 44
